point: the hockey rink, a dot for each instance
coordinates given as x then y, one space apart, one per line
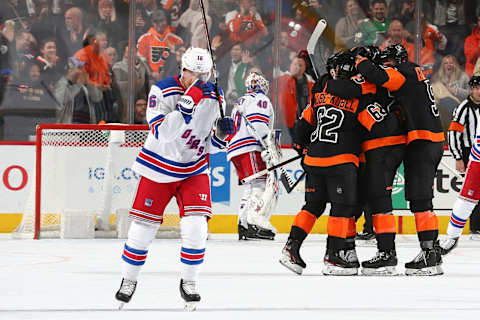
77 279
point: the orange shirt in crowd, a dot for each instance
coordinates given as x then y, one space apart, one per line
246 29
472 50
95 66
155 47
287 99
427 58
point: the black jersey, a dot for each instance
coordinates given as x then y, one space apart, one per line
333 126
358 87
413 92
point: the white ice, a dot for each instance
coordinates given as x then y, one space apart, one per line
77 279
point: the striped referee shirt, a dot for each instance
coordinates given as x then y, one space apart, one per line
461 132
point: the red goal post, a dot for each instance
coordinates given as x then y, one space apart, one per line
84 168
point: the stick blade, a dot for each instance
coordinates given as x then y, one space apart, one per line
319 28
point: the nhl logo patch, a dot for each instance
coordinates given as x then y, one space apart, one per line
339 190
148 202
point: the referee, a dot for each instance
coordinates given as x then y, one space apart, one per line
461 135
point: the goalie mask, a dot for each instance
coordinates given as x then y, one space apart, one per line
198 60
256 82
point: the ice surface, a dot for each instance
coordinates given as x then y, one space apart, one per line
77 279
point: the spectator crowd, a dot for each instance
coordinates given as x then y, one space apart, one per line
66 61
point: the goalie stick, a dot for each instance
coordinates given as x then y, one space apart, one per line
261 173
209 46
312 42
289 183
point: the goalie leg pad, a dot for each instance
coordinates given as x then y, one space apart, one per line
262 202
194 232
140 236
242 211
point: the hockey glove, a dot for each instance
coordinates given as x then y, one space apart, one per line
186 106
225 127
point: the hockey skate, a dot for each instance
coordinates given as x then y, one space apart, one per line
246 233
261 232
426 263
126 291
189 293
365 235
382 264
341 263
475 235
290 257
446 245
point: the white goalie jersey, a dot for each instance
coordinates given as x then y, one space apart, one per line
257 109
175 150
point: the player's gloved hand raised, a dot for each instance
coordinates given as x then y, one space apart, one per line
225 127
186 106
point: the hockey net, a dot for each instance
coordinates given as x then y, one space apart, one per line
85 169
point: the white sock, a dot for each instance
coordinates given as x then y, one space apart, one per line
461 211
194 231
140 236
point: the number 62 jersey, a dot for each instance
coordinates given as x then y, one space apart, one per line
333 128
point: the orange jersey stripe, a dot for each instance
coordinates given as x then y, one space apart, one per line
368 87
425 135
395 80
362 158
455 126
331 161
383 142
366 119
308 115
384 223
338 226
305 221
426 221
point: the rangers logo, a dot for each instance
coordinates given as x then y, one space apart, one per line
148 202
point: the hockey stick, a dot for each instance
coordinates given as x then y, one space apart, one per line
312 42
287 180
455 173
209 46
263 172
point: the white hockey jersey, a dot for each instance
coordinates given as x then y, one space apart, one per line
175 150
475 150
257 108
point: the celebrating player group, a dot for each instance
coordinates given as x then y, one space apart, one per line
370 112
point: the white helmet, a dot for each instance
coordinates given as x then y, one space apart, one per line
256 81
197 60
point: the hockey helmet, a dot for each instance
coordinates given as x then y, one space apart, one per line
372 53
332 61
197 60
395 52
346 65
474 81
255 82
